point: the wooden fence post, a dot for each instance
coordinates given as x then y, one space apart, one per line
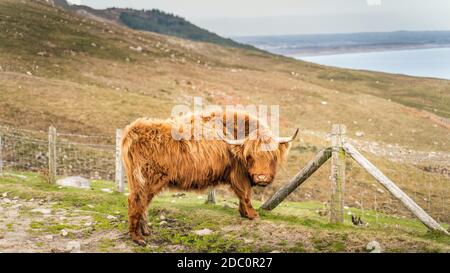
394 189
51 154
337 173
211 199
1 155
297 180
119 176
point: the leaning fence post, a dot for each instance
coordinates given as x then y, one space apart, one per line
51 154
211 199
337 173
119 177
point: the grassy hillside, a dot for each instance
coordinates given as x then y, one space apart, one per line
37 215
85 76
155 21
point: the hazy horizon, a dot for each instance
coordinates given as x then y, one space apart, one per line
233 18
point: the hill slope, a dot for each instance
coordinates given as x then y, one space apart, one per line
155 21
88 76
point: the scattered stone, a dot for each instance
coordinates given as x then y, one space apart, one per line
202 232
380 190
248 241
6 200
111 217
138 48
359 134
48 237
75 181
5 194
162 217
179 194
31 200
106 190
346 207
274 251
29 73
42 211
323 102
373 247
64 233
163 223
73 247
94 44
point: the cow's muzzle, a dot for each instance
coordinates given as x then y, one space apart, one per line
262 180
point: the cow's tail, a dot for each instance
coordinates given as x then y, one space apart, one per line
132 161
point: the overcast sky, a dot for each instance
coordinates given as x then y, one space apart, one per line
278 17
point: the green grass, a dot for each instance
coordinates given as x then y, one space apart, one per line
295 226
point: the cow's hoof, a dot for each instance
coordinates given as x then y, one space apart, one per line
139 240
252 214
145 229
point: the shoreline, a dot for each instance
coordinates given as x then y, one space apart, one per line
317 53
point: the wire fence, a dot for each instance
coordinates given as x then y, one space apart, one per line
95 157
92 157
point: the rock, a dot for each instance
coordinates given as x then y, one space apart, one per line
5 194
179 194
48 237
202 232
138 48
163 223
29 73
6 200
73 247
106 190
380 190
75 181
42 211
373 247
162 217
111 217
64 233
90 206
359 134
274 251
323 102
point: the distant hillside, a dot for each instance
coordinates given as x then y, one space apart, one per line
155 21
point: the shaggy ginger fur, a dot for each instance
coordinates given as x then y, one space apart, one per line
154 160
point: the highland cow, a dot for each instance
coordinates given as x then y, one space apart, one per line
154 159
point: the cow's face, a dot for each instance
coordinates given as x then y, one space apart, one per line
261 169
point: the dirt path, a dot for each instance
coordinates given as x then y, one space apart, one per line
36 226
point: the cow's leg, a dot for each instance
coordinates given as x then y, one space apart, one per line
244 193
137 204
154 186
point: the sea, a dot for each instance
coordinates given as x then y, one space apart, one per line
431 62
423 54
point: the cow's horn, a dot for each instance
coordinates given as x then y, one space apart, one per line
230 141
288 139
